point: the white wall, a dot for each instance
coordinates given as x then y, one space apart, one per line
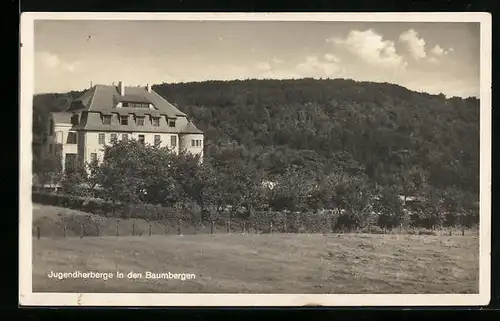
92 142
187 146
59 142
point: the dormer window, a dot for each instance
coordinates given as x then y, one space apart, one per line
139 121
138 105
106 119
123 120
74 119
155 121
133 104
171 123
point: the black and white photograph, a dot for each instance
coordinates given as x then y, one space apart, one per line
219 159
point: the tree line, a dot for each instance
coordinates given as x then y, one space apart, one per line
225 188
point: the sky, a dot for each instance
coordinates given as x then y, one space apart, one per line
431 57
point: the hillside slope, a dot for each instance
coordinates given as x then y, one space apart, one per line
383 131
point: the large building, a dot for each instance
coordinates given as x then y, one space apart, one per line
107 112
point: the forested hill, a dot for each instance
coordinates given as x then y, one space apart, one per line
384 131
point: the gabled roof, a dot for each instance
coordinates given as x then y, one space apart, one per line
103 98
190 128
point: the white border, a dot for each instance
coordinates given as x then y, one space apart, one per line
27 297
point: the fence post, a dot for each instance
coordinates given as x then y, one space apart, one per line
256 227
133 228
179 227
228 226
244 227
166 229
271 228
38 232
212 227
81 230
150 229
98 229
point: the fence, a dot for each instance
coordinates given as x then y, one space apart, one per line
65 228
141 228
155 219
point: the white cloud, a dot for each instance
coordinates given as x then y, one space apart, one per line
331 58
313 67
438 51
416 44
371 47
51 62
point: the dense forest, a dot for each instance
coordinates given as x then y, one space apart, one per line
380 134
384 130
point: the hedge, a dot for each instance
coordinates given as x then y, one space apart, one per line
261 221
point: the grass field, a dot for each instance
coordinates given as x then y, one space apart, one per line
299 263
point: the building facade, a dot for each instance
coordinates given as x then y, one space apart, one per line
105 113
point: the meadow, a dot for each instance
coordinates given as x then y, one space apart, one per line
265 263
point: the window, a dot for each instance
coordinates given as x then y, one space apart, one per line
157 140
114 138
59 137
93 157
135 105
155 121
71 138
102 138
51 127
139 121
123 120
125 137
106 119
74 119
70 162
171 123
195 142
141 139
173 141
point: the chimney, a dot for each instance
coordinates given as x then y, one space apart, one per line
121 88
148 87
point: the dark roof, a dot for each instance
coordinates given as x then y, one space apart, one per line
190 128
103 98
134 99
62 117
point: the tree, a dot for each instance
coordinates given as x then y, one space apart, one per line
118 173
292 191
389 208
73 180
49 171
